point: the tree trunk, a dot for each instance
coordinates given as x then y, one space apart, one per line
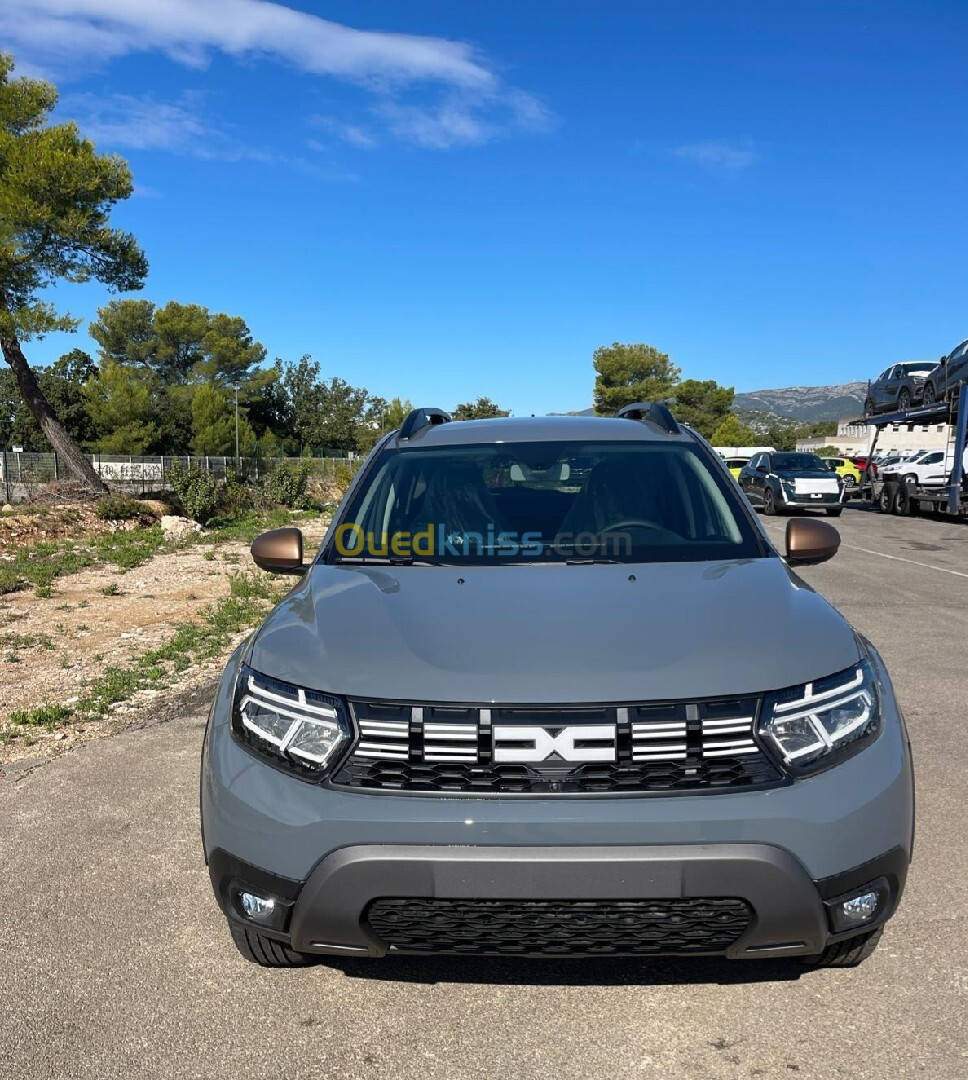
70 453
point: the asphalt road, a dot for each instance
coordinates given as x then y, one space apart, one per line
114 961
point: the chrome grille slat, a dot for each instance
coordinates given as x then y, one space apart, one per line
644 747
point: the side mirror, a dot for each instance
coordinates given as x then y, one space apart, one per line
810 541
761 468
280 551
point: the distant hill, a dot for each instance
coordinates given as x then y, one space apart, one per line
805 403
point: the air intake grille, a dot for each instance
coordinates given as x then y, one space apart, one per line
669 747
559 927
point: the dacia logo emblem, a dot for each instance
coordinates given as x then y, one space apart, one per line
522 744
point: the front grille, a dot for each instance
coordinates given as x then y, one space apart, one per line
559 927
599 749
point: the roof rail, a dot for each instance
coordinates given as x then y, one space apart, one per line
418 419
652 411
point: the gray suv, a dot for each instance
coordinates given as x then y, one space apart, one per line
792 480
547 689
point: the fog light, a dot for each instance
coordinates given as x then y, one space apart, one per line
257 907
860 908
852 910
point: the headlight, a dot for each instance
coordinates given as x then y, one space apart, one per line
817 725
296 729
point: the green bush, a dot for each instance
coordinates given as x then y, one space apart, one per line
344 473
236 496
121 508
286 484
197 491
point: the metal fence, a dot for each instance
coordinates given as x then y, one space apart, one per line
21 473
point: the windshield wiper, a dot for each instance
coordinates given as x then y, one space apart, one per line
383 560
579 561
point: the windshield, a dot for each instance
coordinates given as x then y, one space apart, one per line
912 368
544 502
798 463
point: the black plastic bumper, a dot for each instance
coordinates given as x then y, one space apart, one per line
790 911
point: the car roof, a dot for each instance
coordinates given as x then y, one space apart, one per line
544 429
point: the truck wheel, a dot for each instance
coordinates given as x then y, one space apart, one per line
834 511
905 505
266 951
769 502
887 498
909 478
847 953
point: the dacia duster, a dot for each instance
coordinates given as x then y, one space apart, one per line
548 689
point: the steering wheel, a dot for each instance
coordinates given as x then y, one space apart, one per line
632 523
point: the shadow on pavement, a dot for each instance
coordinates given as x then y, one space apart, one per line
661 971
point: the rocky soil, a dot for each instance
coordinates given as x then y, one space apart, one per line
102 617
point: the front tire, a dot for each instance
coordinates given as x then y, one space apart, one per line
847 953
904 400
266 951
930 394
769 503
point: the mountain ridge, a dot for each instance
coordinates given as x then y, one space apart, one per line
808 404
803 404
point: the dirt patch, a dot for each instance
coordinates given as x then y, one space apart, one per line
106 617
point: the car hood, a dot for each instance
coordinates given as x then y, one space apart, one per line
553 633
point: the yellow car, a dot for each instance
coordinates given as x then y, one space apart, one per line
845 468
734 464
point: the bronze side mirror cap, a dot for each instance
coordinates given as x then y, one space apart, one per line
280 551
810 540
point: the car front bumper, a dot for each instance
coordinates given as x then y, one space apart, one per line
461 894
809 502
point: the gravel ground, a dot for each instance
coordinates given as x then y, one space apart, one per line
79 631
115 961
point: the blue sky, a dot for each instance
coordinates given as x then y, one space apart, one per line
442 200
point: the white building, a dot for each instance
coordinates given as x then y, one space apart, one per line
855 437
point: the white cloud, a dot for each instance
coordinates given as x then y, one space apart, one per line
718 155
69 36
141 123
353 134
188 31
123 120
463 119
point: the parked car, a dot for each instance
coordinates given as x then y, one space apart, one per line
734 464
530 725
898 387
929 469
943 380
844 468
861 461
790 480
